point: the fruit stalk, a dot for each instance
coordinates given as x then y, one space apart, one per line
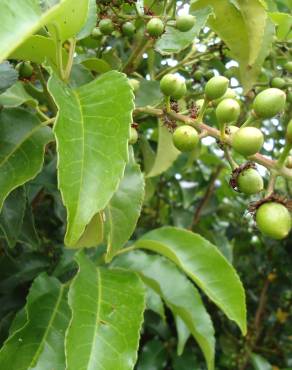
258 158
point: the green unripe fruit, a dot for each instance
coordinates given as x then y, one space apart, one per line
106 26
289 96
288 67
232 72
289 132
95 33
278 82
24 69
230 130
128 29
179 93
269 102
288 162
250 182
230 94
199 103
133 136
135 84
247 141
185 138
198 75
185 22
273 220
172 85
209 74
216 87
155 27
227 111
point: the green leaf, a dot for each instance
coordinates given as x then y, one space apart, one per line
79 76
94 232
92 132
28 234
259 363
178 293
148 93
165 145
20 19
124 208
183 334
148 155
153 356
198 259
8 76
70 18
107 313
96 65
39 343
284 25
15 96
39 49
174 41
154 302
11 216
22 142
241 25
90 22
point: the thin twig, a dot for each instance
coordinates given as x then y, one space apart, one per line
206 197
258 158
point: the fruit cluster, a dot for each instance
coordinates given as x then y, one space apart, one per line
271 213
155 26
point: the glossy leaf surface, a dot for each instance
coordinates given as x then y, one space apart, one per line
22 143
92 131
107 313
204 264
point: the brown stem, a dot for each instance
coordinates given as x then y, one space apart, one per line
258 158
206 197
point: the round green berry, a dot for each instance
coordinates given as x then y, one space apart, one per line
216 87
288 67
209 74
135 84
198 75
185 22
133 136
250 181
128 29
155 27
227 111
230 130
247 141
230 94
288 162
289 132
106 26
96 33
278 82
269 102
274 220
185 138
179 93
172 85
24 69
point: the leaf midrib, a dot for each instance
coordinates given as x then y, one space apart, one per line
54 313
96 325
